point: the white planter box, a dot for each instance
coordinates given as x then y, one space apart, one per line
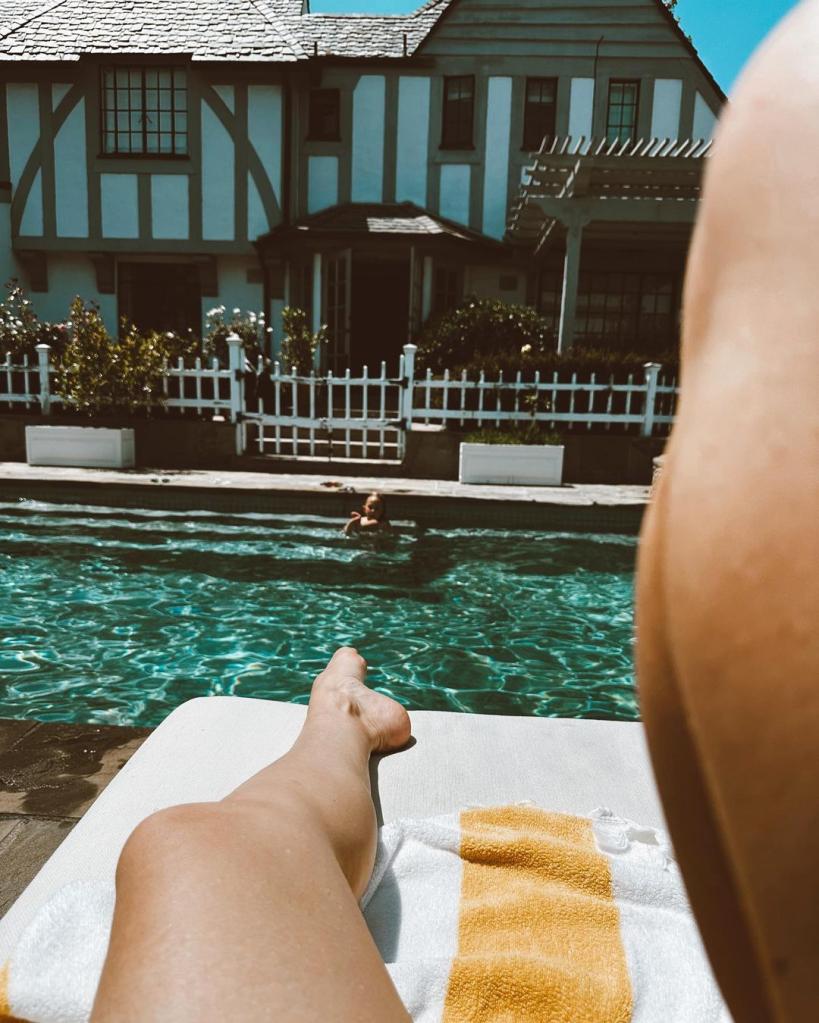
82 446
533 464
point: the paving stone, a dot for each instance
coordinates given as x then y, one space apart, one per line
12 731
58 770
25 844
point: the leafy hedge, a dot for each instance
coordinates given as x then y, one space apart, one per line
495 336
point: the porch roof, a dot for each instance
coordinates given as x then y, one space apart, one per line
351 222
577 181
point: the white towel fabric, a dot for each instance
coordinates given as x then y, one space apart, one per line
413 906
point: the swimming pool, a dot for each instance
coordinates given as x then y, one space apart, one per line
112 615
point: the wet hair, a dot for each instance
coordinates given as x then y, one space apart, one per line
376 495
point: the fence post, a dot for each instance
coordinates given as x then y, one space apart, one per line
652 373
43 351
407 384
236 365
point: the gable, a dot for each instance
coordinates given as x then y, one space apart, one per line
630 29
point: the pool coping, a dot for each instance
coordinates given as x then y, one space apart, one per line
586 507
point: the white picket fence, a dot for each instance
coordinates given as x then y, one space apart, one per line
366 418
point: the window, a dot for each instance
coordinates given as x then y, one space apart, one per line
539 112
459 102
446 291
145 111
625 309
621 125
324 123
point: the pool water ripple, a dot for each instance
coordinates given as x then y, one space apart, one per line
118 616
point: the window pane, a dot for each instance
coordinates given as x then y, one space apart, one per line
180 144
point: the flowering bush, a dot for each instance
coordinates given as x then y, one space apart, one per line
250 327
299 343
21 330
482 327
96 374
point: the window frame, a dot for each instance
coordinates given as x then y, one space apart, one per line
553 81
633 136
461 141
314 136
184 109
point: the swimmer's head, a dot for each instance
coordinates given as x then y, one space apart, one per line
374 507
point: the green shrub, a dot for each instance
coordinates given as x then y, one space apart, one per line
478 329
21 330
496 337
299 343
249 326
531 433
97 374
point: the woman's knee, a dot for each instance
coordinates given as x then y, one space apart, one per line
173 835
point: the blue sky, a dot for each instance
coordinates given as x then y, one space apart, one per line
725 32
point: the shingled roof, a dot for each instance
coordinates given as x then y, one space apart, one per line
370 35
218 30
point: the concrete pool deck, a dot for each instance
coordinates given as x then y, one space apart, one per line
585 507
49 776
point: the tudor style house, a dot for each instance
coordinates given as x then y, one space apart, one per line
164 156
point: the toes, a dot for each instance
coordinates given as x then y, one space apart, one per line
348 659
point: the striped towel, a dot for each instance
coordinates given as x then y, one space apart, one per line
508 914
515 914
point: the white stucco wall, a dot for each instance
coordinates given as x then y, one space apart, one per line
484 281
665 112
235 291
412 143
322 182
9 267
218 178
119 199
71 274
453 201
264 125
705 119
170 212
70 172
23 112
581 108
496 169
368 139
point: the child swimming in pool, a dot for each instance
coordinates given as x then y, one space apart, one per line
371 519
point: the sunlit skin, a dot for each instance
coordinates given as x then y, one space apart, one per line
247 909
371 518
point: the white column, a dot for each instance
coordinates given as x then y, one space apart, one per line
426 290
571 277
316 311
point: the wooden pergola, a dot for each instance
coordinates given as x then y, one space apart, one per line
574 182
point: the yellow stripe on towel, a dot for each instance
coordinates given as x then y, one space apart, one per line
538 933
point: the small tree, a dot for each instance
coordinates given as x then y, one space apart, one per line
299 344
21 330
97 374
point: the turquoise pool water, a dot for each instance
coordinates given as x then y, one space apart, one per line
116 616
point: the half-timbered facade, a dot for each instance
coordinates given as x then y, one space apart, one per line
164 156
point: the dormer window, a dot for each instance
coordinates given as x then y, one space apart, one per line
458 112
324 116
144 111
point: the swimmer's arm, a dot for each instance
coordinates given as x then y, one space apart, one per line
354 524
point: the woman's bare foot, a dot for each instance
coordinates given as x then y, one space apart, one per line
340 689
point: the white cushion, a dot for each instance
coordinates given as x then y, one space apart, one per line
208 746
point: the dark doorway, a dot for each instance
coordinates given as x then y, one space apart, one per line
380 313
160 296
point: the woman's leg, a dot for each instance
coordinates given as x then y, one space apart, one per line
247 909
728 658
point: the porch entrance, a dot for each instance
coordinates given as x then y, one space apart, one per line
380 312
